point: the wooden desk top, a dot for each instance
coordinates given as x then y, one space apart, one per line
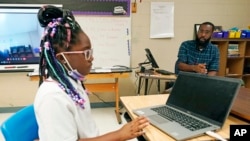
156 75
152 133
95 75
242 103
108 75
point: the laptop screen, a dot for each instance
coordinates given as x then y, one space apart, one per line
207 96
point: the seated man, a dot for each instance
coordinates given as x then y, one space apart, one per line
199 55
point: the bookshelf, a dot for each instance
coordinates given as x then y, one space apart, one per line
234 58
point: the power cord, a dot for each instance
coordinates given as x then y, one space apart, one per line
215 135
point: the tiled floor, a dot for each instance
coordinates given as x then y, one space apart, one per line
105 119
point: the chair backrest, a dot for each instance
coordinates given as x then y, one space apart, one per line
21 126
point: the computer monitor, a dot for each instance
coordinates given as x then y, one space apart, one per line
151 58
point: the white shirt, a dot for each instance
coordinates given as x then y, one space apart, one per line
58 116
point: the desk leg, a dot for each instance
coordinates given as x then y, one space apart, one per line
139 86
146 87
158 86
117 97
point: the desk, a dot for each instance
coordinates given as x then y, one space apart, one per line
154 134
103 87
153 76
242 103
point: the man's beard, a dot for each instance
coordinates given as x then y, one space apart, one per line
201 44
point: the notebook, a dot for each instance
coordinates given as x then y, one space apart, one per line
196 104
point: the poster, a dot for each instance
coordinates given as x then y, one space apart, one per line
162 20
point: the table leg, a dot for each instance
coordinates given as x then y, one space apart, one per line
117 97
158 86
139 86
146 87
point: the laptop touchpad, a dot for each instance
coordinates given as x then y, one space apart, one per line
158 119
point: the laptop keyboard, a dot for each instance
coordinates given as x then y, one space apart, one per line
184 120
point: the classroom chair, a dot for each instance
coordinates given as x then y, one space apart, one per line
22 126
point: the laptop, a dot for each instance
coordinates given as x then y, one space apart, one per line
197 103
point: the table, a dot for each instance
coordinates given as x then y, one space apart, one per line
242 103
103 87
154 134
153 76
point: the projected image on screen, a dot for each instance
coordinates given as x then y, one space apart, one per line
20 36
19 39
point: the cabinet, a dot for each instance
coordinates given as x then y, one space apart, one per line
237 66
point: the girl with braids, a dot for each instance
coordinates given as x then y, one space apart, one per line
62 107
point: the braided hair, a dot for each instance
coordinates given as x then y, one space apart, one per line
60 33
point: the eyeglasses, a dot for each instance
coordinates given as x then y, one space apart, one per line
87 53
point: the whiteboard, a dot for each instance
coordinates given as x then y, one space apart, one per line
110 38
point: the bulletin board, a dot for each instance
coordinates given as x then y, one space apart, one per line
107 23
